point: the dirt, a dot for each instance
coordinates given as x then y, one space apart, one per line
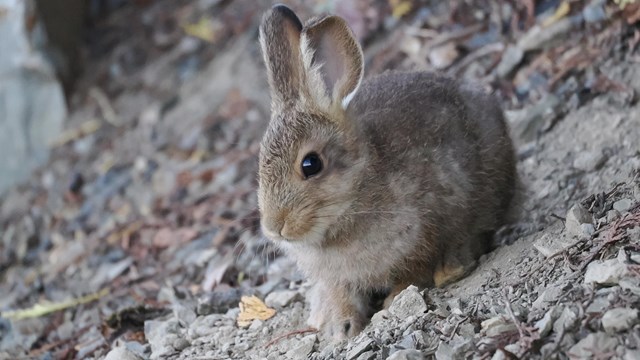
157 206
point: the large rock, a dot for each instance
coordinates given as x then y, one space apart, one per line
32 105
409 302
619 319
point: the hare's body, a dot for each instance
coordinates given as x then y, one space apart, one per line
434 192
372 186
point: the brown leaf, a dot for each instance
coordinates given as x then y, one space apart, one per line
167 237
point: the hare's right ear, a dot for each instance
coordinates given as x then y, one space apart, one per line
280 41
333 60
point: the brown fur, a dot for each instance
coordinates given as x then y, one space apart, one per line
418 171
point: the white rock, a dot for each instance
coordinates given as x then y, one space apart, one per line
608 272
408 354
550 295
444 351
457 349
587 230
497 325
409 302
545 324
380 317
567 320
589 160
593 345
632 284
367 355
631 354
620 319
282 298
612 215
443 56
511 57
501 355
122 353
551 244
303 349
576 216
622 205
359 348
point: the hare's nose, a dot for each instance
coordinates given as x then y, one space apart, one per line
272 227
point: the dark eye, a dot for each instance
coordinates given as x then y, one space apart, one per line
311 165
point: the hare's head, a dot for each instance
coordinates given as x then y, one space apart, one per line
311 158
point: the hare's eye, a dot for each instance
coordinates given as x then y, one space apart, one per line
311 165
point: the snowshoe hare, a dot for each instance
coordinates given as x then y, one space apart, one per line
373 185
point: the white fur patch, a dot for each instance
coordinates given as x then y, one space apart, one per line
347 99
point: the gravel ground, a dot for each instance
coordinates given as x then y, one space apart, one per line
139 238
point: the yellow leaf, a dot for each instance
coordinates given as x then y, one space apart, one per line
623 3
48 307
251 308
400 8
86 128
203 30
561 12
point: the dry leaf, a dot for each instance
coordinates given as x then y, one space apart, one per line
400 8
251 308
204 29
561 11
45 308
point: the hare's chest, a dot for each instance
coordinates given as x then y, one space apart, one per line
365 262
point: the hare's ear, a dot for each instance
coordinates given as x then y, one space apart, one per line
280 41
333 60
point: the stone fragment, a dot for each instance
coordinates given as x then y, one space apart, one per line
619 319
538 37
594 12
282 298
527 123
576 216
545 324
589 161
367 355
456 349
502 355
497 325
161 335
608 272
444 351
407 354
122 353
443 56
409 302
549 295
380 317
587 230
631 354
303 349
632 284
181 344
593 346
511 57
359 348
567 320
612 215
622 205
455 305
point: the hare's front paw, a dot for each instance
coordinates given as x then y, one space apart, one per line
335 312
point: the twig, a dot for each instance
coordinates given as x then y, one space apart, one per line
289 334
516 322
455 328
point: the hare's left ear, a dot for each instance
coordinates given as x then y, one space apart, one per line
333 62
